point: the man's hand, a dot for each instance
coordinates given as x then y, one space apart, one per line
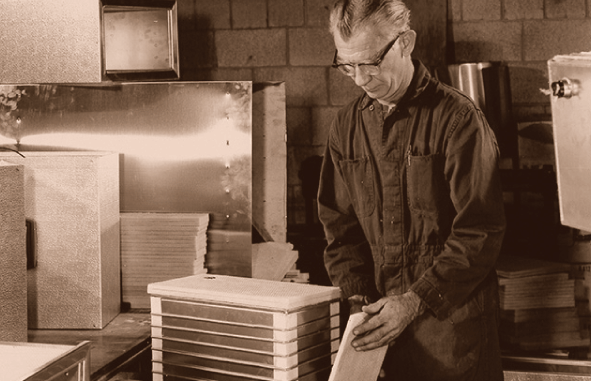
389 317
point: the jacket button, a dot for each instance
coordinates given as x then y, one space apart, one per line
371 107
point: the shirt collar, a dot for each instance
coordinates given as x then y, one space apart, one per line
420 80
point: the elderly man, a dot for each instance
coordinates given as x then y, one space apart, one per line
411 205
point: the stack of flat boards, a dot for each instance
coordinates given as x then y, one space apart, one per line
544 328
226 328
538 309
159 246
531 283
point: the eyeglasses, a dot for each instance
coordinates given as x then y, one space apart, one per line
370 68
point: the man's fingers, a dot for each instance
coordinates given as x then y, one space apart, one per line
374 308
369 325
375 339
368 342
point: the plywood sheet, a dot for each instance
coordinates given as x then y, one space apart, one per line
353 365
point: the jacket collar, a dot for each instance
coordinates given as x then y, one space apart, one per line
419 83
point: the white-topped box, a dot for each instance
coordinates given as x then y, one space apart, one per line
33 361
239 291
216 326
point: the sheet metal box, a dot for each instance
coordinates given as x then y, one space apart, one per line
45 362
73 199
570 81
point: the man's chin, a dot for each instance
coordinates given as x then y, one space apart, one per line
376 93
372 94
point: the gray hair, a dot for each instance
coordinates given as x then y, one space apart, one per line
348 16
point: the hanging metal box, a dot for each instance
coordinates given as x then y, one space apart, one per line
88 41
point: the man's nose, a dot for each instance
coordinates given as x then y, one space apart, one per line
360 78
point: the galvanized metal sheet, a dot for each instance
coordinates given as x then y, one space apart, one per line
184 146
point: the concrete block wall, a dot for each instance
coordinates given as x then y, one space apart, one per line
288 40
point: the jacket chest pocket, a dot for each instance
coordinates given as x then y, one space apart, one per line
359 178
426 185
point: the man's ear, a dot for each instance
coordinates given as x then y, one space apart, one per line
408 40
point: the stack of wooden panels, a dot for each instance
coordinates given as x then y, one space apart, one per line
216 327
538 310
539 291
544 328
157 247
581 272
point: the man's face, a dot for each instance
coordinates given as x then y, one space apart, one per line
389 82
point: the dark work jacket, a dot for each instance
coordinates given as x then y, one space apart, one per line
412 201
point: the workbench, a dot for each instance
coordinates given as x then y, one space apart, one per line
123 344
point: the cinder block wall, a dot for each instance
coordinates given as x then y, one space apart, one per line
287 40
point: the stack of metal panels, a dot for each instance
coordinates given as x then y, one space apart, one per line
225 328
